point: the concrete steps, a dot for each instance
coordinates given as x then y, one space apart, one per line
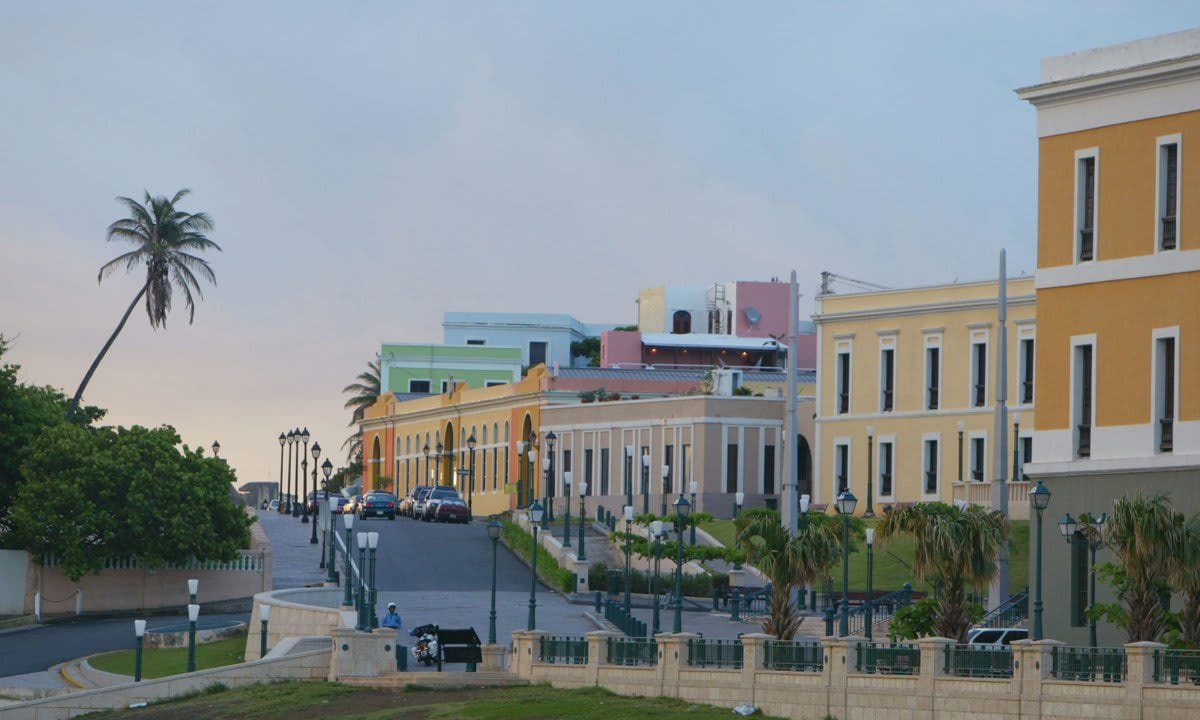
442 680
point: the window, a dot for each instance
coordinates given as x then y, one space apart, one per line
587 472
887 380
769 469
1164 390
627 471
1086 207
731 468
1026 370
476 341
418 386
495 470
685 468
841 468
445 386
669 462
1079 580
885 468
843 383
977 458
978 374
537 353
1026 457
603 471
931 466
1083 400
681 322
506 465
933 376
1168 194
494 383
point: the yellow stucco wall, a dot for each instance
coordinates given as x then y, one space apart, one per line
652 310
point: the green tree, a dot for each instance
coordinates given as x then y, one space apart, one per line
954 550
93 493
789 562
1185 575
589 348
364 391
1142 536
164 240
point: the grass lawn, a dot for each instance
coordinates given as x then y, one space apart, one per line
161 662
312 700
892 560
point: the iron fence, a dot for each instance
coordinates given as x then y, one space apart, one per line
1173 667
890 659
1088 664
563 649
715 653
979 661
614 612
793 655
632 651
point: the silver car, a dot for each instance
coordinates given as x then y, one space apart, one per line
996 637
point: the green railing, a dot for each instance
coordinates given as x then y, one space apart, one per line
793 655
715 653
881 608
1010 613
890 659
979 661
562 649
614 612
1173 667
1088 664
632 651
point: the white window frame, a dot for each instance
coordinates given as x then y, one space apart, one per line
1160 189
979 336
843 347
933 340
1156 381
1023 334
971 438
1024 435
1080 156
888 341
445 385
427 380
1078 341
882 440
925 438
847 443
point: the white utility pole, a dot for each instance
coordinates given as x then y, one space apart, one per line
998 592
791 458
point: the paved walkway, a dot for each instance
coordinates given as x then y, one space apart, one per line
295 562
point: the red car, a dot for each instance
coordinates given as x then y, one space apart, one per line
452 510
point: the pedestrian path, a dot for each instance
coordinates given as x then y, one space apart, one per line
296 562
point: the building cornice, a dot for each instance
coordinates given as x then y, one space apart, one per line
924 309
1111 82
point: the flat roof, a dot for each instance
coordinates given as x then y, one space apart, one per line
709 340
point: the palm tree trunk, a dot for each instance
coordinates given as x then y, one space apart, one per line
103 351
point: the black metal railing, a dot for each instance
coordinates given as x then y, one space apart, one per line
932 398
1168 232
978 662
888 398
843 403
793 655
632 651
614 612
1009 613
1084 448
1172 667
1166 435
888 659
931 481
1026 391
881 608
980 394
715 653
1086 244
1088 664
563 649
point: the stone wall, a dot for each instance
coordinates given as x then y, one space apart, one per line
314 611
840 691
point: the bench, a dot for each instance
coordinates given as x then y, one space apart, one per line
459 646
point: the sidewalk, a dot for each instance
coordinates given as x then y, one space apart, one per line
296 561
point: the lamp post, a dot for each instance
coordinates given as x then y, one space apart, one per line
646 484
666 479
682 509
845 507
628 472
471 494
193 588
302 480
326 537
548 464
1039 497
655 535
216 448
868 614
582 514
804 502
739 497
1092 530
426 451
628 549
870 473
139 629
567 505
493 531
347 573
359 590
960 426
533 454
535 519
285 504
373 617
282 442
294 481
692 506
316 454
437 460
193 616
264 615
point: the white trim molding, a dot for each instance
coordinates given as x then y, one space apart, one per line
1129 268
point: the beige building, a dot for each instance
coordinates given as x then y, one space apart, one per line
906 394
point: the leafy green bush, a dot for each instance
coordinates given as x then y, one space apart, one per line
693 585
548 569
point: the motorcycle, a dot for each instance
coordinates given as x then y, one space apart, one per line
426 649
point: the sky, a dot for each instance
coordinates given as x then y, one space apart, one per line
372 165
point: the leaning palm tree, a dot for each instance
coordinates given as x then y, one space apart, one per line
789 562
954 550
164 240
1185 575
363 394
1141 535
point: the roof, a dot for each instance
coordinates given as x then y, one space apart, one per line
709 340
676 374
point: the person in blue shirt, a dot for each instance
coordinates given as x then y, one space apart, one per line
392 618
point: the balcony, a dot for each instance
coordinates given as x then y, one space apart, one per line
979 394
932 398
1086 244
1084 442
1168 232
885 484
843 403
1027 392
1166 435
980 493
931 482
888 396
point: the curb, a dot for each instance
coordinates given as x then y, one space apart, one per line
66 676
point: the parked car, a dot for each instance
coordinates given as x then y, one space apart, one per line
273 506
339 504
314 498
995 637
451 509
353 504
378 504
409 501
421 502
431 501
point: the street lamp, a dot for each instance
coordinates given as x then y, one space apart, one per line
646 484
532 474
870 473
1039 497
845 507
426 451
493 531
960 426
582 515
359 590
437 460
139 629
868 615
535 519
316 454
666 479
286 506
692 506
548 462
471 494
193 616
264 611
282 441
301 470
216 446
567 505
327 537
804 502
193 588
372 545
1092 530
682 509
347 573
628 549
739 497
655 535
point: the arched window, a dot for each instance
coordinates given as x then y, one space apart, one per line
681 322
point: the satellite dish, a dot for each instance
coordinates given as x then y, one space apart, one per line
753 315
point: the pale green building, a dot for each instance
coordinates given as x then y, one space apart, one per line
430 368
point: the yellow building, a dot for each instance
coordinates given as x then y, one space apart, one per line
1118 290
905 385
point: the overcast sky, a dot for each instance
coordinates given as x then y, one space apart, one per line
371 165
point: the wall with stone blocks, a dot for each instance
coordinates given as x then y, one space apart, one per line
290 616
